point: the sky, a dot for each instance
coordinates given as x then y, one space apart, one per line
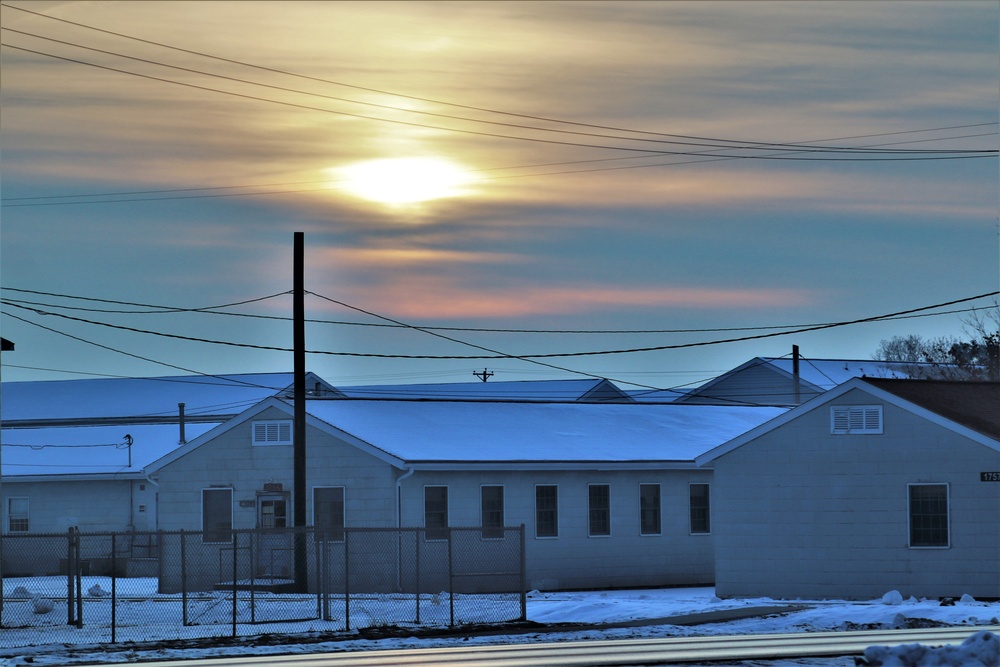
52 644
497 174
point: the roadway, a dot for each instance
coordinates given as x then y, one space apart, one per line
666 651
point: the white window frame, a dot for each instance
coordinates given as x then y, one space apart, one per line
437 533
556 535
708 495
271 432
18 516
492 532
856 419
659 509
909 516
590 522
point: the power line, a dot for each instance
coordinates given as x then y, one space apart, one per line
136 194
494 354
156 309
879 155
704 142
413 97
128 354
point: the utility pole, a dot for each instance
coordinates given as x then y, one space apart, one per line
795 374
484 375
299 422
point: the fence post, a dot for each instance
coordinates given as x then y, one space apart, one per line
319 579
114 588
416 534
524 578
236 545
347 582
70 603
252 557
184 582
1 579
79 580
451 582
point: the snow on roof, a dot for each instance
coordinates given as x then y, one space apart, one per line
828 373
521 390
468 432
132 397
88 450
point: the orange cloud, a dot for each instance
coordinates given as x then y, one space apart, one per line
431 297
381 258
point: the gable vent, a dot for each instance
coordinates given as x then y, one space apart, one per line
272 432
855 419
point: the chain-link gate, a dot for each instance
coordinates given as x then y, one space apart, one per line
77 588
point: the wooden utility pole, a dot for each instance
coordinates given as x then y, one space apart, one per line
484 376
299 423
796 377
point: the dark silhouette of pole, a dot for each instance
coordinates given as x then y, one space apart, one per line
299 423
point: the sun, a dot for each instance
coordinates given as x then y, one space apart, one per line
403 180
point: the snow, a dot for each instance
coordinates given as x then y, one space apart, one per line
426 431
135 397
643 613
86 450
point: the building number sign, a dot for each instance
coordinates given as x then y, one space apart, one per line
989 477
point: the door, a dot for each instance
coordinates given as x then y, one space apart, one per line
274 543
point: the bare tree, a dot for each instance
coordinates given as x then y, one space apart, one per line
950 358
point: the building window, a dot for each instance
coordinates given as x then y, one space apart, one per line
600 510
272 432
436 512
328 513
217 515
929 515
17 515
649 509
855 419
491 504
546 510
700 523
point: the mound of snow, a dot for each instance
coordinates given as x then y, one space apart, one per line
892 598
42 605
980 650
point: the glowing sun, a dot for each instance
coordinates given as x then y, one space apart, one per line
403 180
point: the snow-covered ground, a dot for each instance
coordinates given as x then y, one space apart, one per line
595 609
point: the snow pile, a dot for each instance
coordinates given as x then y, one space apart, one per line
980 650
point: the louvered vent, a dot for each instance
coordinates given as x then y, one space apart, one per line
855 419
272 432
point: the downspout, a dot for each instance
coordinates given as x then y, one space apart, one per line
399 532
399 496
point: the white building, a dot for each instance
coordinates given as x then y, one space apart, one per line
875 485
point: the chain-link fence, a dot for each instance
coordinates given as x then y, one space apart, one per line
85 588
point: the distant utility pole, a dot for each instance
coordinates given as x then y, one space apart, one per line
483 375
299 422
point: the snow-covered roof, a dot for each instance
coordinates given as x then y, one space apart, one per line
587 389
470 432
828 373
95 399
88 450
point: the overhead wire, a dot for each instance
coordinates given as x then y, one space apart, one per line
155 309
945 154
687 138
714 144
494 353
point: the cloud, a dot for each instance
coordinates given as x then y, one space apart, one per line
431 297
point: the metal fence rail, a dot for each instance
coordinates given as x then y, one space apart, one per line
87 588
